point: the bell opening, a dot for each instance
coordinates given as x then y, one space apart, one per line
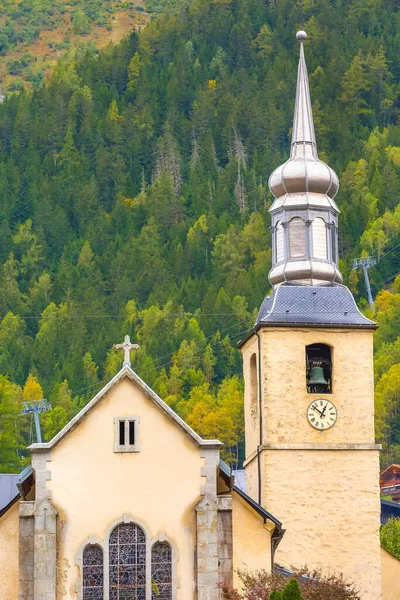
318 369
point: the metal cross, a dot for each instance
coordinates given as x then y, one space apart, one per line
127 347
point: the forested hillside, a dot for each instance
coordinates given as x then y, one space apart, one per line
134 199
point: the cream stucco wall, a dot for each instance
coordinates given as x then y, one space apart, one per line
327 498
9 553
251 539
92 487
390 576
284 385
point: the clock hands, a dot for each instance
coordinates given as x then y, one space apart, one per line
317 409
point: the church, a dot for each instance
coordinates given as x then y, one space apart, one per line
128 502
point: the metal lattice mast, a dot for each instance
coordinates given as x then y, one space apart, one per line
366 263
36 407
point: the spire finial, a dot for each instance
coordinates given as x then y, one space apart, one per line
303 124
301 36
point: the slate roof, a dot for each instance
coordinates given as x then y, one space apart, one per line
232 477
8 492
389 510
329 305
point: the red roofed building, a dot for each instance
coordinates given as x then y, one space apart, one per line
390 482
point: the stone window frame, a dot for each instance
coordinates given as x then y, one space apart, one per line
118 448
104 545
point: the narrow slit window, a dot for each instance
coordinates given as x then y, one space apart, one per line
253 379
122 433
131 433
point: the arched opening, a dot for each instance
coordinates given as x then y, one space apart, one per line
253 380
318 369
161 571
320 246
127 554
297 238
92 572
280 243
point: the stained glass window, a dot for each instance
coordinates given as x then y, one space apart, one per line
128 563
161 571
93 573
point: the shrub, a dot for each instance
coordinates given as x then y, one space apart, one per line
313 584
390 537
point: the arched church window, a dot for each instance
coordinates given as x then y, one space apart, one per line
127 551
161 571
280 244
253 379
297 238
318 369
93 573
319 238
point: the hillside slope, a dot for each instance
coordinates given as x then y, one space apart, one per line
34 35
134 199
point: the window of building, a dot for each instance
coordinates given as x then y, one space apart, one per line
92 573
253 379
297 238
280 242
161 571
320 247
126 434
334 243
127 555
318 369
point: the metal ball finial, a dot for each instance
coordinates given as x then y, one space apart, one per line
301 36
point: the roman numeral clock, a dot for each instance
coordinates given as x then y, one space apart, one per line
322 414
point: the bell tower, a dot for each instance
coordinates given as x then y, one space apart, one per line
311 456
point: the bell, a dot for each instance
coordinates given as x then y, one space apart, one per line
317 377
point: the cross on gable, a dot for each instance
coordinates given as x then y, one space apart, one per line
127 347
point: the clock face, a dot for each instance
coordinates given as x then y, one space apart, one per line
322 414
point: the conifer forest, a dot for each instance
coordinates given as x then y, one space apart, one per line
134 200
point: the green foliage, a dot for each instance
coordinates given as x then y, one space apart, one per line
134 199
276 595
390 537
292 591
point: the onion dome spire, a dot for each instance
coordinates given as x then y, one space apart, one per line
304 213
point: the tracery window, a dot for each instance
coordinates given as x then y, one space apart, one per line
127 549
93 573
297 237
161 571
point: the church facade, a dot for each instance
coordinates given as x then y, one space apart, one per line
128 502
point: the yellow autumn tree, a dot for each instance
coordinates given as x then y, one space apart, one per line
32 389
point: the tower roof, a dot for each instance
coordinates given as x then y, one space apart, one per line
303 123
304 188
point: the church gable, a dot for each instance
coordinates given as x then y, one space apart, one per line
125 373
